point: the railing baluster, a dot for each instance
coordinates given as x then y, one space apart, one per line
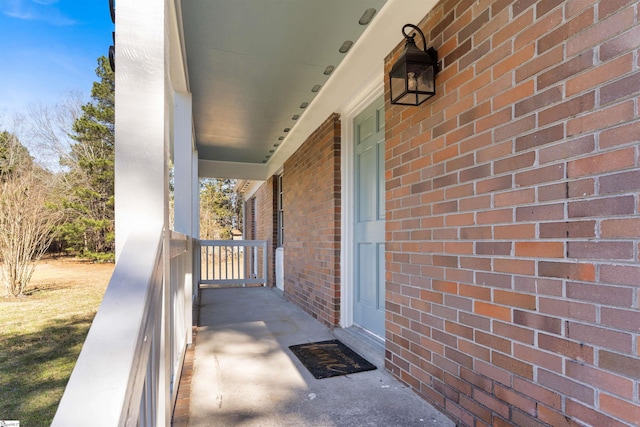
122 376
206 261
238 262
233 270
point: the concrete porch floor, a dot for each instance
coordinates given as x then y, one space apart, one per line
243 373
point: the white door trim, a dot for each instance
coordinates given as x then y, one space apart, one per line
370 92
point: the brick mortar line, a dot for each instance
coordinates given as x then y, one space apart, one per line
180 414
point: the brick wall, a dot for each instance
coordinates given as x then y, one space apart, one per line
249 219
311 183
513 275
265 225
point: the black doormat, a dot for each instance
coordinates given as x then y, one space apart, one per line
326 359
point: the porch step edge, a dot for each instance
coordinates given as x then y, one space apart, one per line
362 342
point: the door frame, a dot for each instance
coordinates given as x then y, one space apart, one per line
360 102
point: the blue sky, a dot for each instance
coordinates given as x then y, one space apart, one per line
49 48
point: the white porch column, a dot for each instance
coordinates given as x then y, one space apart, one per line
186 194
196 196
142 109
185 200
195 222
142 124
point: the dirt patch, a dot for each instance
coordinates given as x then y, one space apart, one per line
64 272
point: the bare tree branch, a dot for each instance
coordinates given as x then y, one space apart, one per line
46 129
26 225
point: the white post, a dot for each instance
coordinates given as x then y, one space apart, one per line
183 163
196 227
184 194
142 117
141 173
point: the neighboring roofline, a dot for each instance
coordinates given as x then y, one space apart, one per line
247 188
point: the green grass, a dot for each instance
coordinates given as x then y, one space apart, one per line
41 336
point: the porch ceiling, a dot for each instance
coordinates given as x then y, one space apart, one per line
252 65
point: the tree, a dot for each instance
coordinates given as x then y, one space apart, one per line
13 155
47 130
26 219
219 210
89 176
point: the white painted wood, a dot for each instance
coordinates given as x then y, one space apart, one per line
186 200
180 284
186 195
142 108
251 190
233 170
111 368
215 268
280 268
134 350
177 57
195 196
182 159
143 123
195 229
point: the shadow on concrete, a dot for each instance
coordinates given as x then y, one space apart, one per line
245 375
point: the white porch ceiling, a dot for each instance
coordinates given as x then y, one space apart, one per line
252 65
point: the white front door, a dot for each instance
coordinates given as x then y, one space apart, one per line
369 219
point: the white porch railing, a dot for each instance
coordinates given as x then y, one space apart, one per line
182 292
132 357
233 262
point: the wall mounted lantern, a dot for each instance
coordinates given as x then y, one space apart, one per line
112 49
413 76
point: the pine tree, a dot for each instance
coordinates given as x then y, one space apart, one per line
219 212
89 229
14 157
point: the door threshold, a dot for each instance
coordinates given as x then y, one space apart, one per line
367 345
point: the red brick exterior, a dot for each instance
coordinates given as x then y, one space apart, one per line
311 204
513 223
264 224
513 230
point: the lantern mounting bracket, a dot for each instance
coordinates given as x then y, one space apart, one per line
412 76
412 36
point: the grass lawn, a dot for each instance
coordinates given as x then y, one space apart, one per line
41 336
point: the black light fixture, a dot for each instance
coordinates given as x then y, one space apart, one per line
413 76
112 11
112 53
112 49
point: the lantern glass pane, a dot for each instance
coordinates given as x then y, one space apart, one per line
420 77
426 80
408 99
397 87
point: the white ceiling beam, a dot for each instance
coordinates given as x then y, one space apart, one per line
232 170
